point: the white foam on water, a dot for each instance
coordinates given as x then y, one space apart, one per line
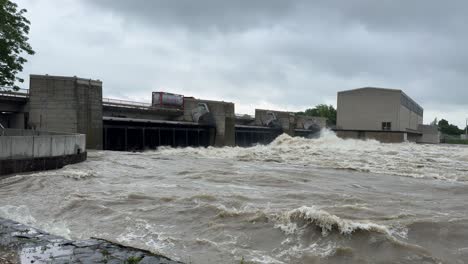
326 221
153 237
443 162
261 257
78 174
19 214
297 251
23 215
71 171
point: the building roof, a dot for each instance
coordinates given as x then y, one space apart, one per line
371 88
417 106
66 78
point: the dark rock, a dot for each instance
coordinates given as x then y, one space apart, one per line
22 244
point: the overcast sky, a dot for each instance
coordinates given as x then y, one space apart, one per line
277 54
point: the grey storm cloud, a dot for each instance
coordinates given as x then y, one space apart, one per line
288 54
406 40
386 15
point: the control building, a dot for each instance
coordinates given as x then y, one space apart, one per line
387 115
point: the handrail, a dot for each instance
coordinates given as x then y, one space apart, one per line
109 101
245 116
11 92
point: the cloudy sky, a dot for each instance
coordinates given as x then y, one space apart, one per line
277 54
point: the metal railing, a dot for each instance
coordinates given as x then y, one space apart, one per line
125 103
245 116
24 93
11 92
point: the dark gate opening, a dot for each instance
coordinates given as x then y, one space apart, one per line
136 136
247 136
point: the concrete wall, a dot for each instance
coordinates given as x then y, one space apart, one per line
26 132
384 137
67 104
409 120
224 116
286 119
24 147
366 109
89 112
152 114
412 137
430 134
301 121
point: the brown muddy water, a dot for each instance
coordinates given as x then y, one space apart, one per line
324 200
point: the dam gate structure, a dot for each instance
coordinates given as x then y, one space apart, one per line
132 134
75 105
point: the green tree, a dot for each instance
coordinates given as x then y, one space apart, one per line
322 110
14 28
446 128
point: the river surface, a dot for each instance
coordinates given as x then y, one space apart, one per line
297 200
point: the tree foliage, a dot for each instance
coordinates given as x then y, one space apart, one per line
446 128
14 28
322 110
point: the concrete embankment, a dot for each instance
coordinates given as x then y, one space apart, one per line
31 150
22 244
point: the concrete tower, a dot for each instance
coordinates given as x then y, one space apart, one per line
67 104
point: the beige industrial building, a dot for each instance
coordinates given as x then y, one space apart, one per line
387 115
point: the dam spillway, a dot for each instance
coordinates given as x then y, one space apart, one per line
76 105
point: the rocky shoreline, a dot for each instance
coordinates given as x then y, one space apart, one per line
23 244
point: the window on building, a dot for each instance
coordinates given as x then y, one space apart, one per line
386 125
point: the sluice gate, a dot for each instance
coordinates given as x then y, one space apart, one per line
247 136
76 105
127 134
306 133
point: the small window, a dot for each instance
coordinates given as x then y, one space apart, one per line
386 125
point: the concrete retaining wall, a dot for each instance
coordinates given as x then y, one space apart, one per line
29 150
19 147
10 166
430 134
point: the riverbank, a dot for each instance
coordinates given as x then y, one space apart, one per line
23 244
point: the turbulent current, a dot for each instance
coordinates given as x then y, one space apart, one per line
296 200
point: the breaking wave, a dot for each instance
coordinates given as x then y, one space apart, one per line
290 221
23 215
443 162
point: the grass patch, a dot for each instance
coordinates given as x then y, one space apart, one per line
105 253
457 141
133 260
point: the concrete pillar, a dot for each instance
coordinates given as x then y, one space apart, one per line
286 120
224 117
67 104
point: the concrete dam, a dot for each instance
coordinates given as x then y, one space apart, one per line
76 105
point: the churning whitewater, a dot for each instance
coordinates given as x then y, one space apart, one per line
296 200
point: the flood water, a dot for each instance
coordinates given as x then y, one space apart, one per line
297 200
